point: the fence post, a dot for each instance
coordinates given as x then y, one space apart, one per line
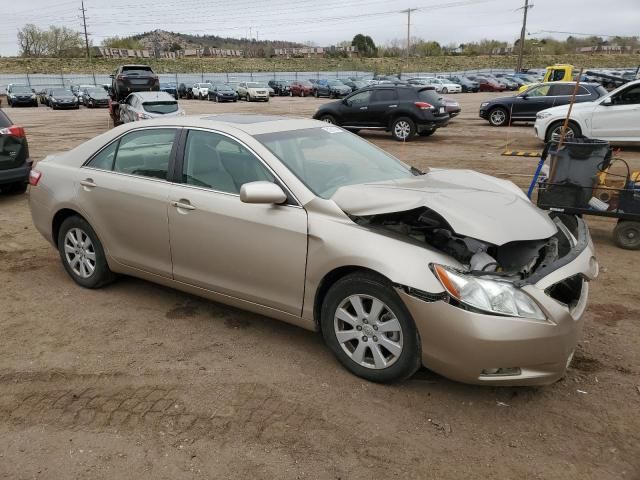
251 75
176 75
62 79
28 80
227 74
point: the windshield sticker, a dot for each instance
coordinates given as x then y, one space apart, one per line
332 129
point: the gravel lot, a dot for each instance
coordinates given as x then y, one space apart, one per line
136 380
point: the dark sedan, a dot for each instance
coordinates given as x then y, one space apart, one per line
61 98
223 93
21 95
524 106
280 87
95 97
331 89
355 84
170 88
466 83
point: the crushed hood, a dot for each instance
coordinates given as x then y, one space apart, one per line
474 205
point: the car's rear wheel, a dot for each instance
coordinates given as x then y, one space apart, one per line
445 90
627 235
82 253
403 128
328 119
498 117
555 131
369 329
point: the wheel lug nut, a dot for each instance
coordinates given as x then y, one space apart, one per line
358 328
375 327
375 339
365 321
364 339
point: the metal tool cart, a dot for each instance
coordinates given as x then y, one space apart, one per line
580 182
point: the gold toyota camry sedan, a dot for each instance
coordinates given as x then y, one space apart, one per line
307 223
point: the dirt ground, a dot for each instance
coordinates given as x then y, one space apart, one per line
139 381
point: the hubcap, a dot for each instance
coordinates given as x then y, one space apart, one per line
368 332
402 129
79 252
327 120
498 117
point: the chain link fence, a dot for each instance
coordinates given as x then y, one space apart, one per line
64 80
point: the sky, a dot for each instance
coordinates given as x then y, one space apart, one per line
326 22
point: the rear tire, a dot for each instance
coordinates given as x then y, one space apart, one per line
84 260
402 129
498 117
366 354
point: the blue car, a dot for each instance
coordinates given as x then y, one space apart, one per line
21 95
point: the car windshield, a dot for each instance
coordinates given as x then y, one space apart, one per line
160 107
335 83
20 89
60 92
97 91
224 88
137 70
327 158
306 84
256 85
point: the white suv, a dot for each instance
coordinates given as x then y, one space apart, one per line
614 117
201 90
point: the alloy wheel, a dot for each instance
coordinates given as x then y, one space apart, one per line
557 132
498 117
402 129
80 252
368 331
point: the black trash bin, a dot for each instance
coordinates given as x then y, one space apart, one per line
573 171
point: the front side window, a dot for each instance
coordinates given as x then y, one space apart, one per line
540 91
218 162
146 153
359 99
629 96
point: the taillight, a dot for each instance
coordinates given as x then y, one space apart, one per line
423 105
34 177
13 130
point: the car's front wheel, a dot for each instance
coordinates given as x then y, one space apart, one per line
82 253
369 329
627 234
328 119
555 131
403 129
498 117
445 90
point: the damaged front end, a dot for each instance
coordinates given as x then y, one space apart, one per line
488 277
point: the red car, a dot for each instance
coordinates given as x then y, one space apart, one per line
301 88
490 85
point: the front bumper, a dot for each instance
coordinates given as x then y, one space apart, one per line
63 104
18 174
23 101
466 346
484 114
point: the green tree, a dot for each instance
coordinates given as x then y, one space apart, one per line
365 45
126 42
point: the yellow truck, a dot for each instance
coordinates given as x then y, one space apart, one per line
560 72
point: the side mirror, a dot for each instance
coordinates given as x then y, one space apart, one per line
524 96
262 192
607 102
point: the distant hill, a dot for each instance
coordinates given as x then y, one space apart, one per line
172 41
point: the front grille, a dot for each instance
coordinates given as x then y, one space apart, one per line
567 291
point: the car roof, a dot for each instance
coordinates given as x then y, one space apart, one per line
249 123
153 96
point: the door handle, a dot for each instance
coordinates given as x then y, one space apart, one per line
87 182
184 204
364 108
393 106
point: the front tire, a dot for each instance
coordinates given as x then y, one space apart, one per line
445 90
403 128
627 234
369 329
82 254
498 117
555 130
328 119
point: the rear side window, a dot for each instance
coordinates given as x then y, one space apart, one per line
4 120
385 95
563 89
146 153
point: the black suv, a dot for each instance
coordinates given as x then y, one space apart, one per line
133 78
524 106
280 87
15 164
402 110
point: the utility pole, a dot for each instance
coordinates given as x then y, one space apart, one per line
408 10
86 36
522 34
86 39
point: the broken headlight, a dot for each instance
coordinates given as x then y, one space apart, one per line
488 295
